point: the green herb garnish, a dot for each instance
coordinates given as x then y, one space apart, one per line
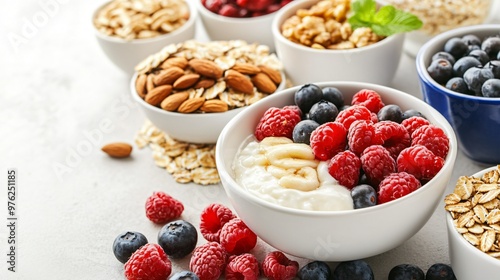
385 22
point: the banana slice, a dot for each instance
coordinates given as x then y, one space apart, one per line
293 155
273 141
305 179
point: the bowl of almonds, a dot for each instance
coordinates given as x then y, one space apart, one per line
128 31
473 225
190 90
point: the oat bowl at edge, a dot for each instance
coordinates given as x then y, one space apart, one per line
332 235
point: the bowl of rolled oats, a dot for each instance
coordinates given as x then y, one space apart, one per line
129 31
190 90
473 225
316 42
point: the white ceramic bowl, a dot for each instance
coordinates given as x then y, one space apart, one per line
251 30
467 261
127 54
376 63
329 235
193 127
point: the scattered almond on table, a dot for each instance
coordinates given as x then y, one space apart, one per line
117 149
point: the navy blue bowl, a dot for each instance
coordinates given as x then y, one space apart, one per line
476 120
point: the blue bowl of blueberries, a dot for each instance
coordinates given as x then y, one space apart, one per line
459 72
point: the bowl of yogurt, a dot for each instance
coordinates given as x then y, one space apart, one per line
316 219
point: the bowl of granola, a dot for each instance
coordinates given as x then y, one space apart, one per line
316 42
312 200
472 222
128 31
190 90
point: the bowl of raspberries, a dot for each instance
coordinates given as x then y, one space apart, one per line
459 72
336 171
248 20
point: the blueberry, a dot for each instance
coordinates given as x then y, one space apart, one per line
184 275
333 95
475 77
457 84
456 47
306 96
390 112
440 70
471 40
405 272
472 48
491 88
353 270
323 111
178 238
412 113
444 55
463 64
127 243
494 65
491 46
316 270
363 196
480 55
302 131
440 271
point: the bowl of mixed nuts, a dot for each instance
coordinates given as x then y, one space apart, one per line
190 90
331 40
128 31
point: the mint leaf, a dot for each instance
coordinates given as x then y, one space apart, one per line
387 21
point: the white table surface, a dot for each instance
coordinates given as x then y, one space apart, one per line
56 88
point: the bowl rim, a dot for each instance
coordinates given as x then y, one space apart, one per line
461 240
234 186
294 6
206 12
193 16
424 55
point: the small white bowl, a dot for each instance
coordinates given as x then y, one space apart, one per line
332 235
127 54
467 261
251 30
376 63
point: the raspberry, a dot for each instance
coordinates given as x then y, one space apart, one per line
276 266
229 10
397 185
411 124
208 261
394 136
148 263
328 139
345 168
254 5
420 162
377 163
362 135
368 98
353 113
213 5
237 238
243 266
161 208
433 138
213 217
277 122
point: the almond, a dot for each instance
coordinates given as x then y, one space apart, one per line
150 84
173 101
191 105
206 68
246 68
263 83
274 74
168 76
156 95
140 85
214 106
180 62
204 83
117 149
186 81
238 81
